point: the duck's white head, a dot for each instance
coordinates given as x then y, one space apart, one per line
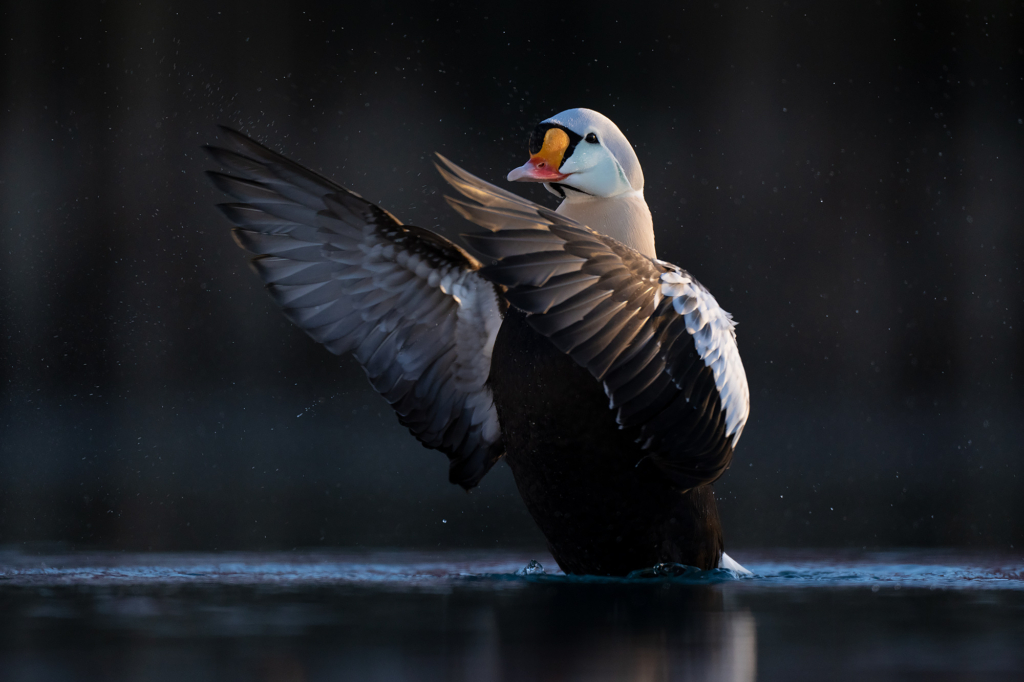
584 158
580 153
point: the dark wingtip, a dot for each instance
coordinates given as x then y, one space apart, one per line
454 174
468 471
446 173
460 206
217 178
216 153
230 211
233 133
244 142
231 185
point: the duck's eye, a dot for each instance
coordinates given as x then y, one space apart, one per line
591 138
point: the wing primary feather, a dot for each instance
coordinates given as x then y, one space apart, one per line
355 279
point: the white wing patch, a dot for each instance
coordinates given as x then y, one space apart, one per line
714 335
476 327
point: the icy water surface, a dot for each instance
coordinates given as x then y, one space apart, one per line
469 616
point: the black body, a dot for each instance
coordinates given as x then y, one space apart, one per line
604 508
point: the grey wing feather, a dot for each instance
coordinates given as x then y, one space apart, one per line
410 305
663 349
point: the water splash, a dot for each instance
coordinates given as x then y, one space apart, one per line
684 573
532 568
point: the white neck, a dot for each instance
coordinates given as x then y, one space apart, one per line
624 217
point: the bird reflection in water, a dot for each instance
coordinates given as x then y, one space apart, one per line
718 647
666 633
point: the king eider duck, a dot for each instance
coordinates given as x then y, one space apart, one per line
609 380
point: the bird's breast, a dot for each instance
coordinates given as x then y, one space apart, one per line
625 218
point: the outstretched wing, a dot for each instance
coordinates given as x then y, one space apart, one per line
410 305
655 338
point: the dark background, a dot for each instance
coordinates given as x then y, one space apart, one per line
844 177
